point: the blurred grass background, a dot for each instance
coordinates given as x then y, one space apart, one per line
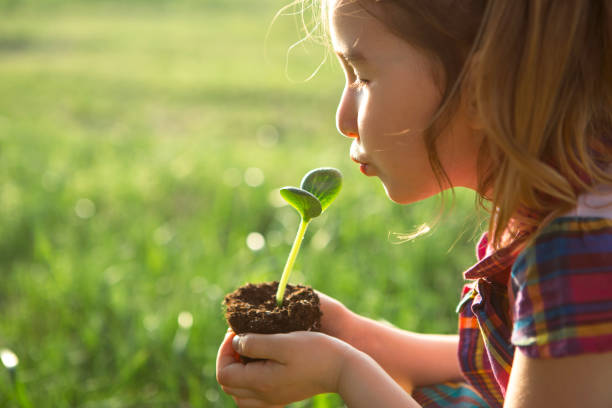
141 143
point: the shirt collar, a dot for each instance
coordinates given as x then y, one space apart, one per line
492 265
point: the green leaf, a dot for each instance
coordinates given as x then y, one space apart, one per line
304 202
324 183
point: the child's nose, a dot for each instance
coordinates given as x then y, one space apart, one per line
346 116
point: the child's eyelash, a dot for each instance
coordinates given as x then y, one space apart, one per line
359 83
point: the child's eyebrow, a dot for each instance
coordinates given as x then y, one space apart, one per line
351 55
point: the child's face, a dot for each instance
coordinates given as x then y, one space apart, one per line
386 113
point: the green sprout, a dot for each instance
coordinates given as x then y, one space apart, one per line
318 189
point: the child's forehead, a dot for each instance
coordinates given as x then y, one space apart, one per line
353 28
348 36
371 45
347 17
343 6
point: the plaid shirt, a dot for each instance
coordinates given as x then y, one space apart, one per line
552 300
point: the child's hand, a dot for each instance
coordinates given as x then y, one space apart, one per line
298 365
336 320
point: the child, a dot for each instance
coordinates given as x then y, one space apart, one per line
512 99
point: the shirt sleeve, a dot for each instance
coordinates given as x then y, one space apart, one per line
562 287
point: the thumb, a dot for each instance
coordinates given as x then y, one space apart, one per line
265 346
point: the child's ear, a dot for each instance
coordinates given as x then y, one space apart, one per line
473 115
469 101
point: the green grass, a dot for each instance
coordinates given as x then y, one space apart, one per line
125 133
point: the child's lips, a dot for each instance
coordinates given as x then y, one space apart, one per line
364 167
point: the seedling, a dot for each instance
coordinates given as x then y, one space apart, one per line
318 189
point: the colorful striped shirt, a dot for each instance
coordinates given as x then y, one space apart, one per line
552 300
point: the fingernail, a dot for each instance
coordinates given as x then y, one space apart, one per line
236 343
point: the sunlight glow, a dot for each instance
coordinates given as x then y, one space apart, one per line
267 136
185 320
255 241
9 359
85 208
253 177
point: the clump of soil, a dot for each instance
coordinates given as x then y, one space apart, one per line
252 309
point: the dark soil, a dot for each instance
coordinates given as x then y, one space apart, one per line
252 309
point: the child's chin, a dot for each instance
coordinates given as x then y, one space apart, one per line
404 197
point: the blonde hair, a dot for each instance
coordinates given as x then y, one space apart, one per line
537 74
542 78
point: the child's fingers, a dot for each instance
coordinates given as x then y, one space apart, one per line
226 355
251 375
265 346
230 333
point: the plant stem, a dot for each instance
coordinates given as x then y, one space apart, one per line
282 285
